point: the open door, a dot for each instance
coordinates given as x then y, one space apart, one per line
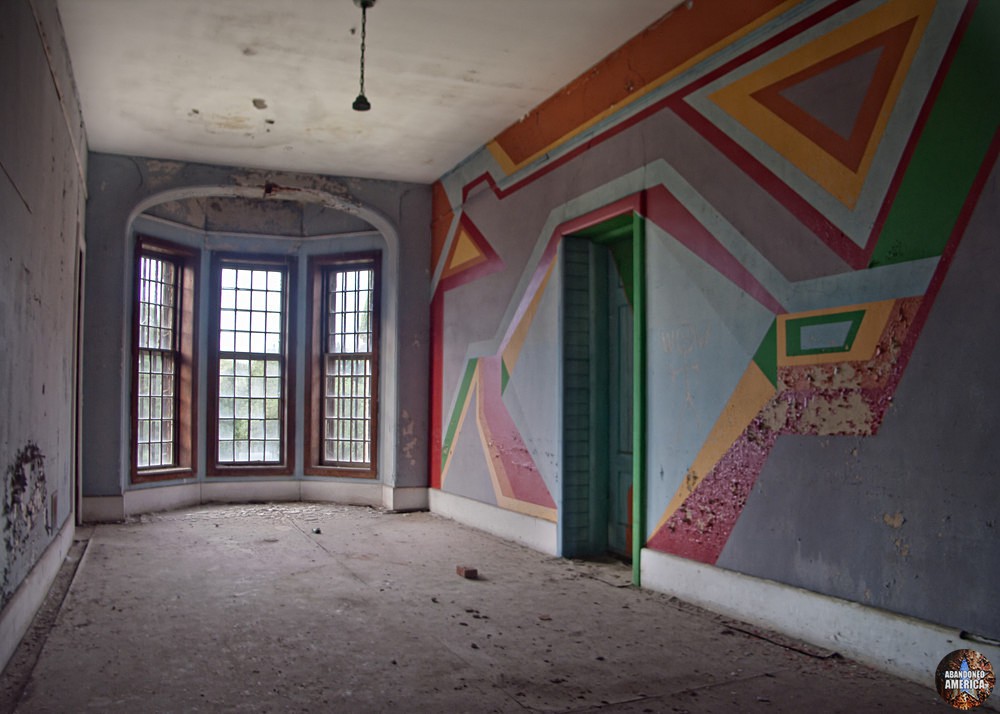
618 385
603 389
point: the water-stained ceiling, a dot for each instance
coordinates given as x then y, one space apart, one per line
269 84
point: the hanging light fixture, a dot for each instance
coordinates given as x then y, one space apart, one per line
361 104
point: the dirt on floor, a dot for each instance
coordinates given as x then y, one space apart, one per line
323 608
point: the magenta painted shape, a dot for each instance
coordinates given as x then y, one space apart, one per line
507 446
702 525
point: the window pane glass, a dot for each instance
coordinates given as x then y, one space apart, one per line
347 427
157 302
156 315
226 408
155 409
251 319
349 344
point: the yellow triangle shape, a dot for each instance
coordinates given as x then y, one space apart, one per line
465 251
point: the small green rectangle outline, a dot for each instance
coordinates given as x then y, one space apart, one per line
793 332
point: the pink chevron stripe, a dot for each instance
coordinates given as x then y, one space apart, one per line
663 209
504 443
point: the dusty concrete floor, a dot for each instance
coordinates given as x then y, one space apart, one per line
246 609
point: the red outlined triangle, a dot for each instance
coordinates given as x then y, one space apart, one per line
471 256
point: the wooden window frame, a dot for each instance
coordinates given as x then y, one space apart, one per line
187 261
318 269
264 262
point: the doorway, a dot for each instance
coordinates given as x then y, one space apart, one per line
603 383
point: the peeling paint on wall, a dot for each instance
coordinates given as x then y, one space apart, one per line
408 437
25 508
893 520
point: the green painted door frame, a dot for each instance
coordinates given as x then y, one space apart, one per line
638 394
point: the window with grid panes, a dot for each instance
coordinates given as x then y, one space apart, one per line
251 365
158 360
348 365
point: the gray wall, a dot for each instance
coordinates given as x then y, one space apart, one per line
42 156
894 521
119 184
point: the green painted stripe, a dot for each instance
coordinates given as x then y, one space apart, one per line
951 148
456 415
610 230
617 234
638 397
504 375
766 356
793 332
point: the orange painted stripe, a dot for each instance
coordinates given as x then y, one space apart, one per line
664 46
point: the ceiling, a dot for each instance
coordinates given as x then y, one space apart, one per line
269 84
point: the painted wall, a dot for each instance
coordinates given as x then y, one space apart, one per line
42 154
818 187
282 224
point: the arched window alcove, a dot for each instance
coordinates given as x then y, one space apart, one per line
261 348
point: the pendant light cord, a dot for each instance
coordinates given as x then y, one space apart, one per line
364 21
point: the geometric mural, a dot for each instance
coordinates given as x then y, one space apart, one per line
840 114
841 389
809 107
820 115
516 481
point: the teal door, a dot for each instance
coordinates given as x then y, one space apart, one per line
619 363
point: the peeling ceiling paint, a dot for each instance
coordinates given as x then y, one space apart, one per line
269 84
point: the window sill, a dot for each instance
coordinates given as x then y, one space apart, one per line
341 472
171 474
254 470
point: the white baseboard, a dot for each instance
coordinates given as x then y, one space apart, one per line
247 491
405 499
530 531
903 646
20 610
359 493
102 509
113 509
167 498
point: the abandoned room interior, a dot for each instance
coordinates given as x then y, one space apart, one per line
698 285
